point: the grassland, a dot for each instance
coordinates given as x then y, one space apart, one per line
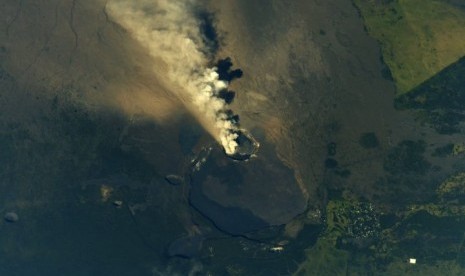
418 38
440 101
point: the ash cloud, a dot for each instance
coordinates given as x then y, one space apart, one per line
225 72
208 31
181 39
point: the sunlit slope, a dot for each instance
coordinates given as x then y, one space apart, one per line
418 37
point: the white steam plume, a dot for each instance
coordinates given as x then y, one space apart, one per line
171 33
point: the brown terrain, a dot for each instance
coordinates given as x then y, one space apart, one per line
85 123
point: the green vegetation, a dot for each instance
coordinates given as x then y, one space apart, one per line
351 220
356 242
331 148
407 157
422 44
458 149
418 38
369 140
330 163
449 150
438 209
346 222
440 101
443 151
344 173
324 259
453 187
402 267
